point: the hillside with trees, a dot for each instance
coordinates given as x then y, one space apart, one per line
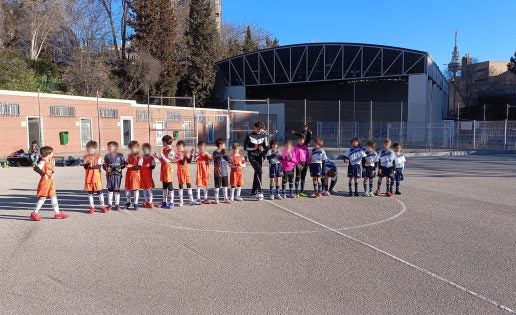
120 49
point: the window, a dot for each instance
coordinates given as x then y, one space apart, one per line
143 115
174 116
9 109
239 117
62 111
108 113
201 118
160 132
220 118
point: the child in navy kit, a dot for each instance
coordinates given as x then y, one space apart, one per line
329 178
221 170
288 165
399 165
114 163
275 170
353 157
386 168
369 168
317 159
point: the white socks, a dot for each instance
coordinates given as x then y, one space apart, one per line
117 198
232 193
39 204
180 195
136 196
101 199
216 192
90 200
148 196
55 205
225 192
165 195
239 190
110 198
190 194
171 196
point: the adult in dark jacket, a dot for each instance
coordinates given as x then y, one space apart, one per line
305 132
257 144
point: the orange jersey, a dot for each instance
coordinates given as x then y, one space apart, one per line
183 169
132 176
203 171
236 177
148 165
93 178
166 171
46 185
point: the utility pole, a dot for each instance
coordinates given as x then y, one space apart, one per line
484 111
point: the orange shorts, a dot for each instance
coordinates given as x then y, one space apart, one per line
236 178
201 181
132 181
46 188
95 186
183 175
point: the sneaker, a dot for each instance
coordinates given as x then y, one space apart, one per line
260 197
314 195
117 208
150 205
357 194
350 194
170 205
216 201
135 207
284 196
291 196
180 204
239 199
227 201
377 192
325 193
272 197
279 197
127 205
302 194
92 210
388 194
104 209
397 192
333 192
206 202
35 217
164 205
371 194
61 215
194 203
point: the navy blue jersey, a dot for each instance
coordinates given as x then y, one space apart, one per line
274 156
220 164
354 155
114 164
317 156
371 158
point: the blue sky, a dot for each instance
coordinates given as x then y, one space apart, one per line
487 28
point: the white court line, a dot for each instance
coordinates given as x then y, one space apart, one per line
400 260
186 228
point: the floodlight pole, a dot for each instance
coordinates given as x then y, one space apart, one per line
228 125
401 123
305 112
268 114
338 129
98 121
371 119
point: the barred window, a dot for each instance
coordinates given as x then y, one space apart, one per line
108 113
239 117
9 109
220 118
143 115
62 111
174 116
201 118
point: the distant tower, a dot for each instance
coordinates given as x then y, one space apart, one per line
455 64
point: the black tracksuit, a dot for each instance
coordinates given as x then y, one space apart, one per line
252 144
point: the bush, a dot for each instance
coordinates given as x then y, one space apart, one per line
15 72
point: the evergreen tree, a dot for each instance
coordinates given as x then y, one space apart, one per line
202 39
511 66
250 43
154 24
271 43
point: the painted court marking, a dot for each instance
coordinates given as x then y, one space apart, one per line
402 261
403 210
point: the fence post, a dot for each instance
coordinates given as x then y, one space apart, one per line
148 114
338 130
474 134
98 122
268 114
371 120
228 122
305 112
195 121
505 136
401 123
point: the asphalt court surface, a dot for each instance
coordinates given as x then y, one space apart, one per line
447 245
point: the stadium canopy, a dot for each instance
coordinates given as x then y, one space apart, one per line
325 62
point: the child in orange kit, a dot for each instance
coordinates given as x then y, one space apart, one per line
166 158
183 160
46 186
93 181
147 183
132 176
203 159
236 177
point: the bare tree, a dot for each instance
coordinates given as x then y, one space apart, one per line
44 18
143 73
89 23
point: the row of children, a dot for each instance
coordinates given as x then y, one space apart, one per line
289 165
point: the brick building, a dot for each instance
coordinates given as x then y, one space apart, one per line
27 116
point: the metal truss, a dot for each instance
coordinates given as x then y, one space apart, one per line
326 62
